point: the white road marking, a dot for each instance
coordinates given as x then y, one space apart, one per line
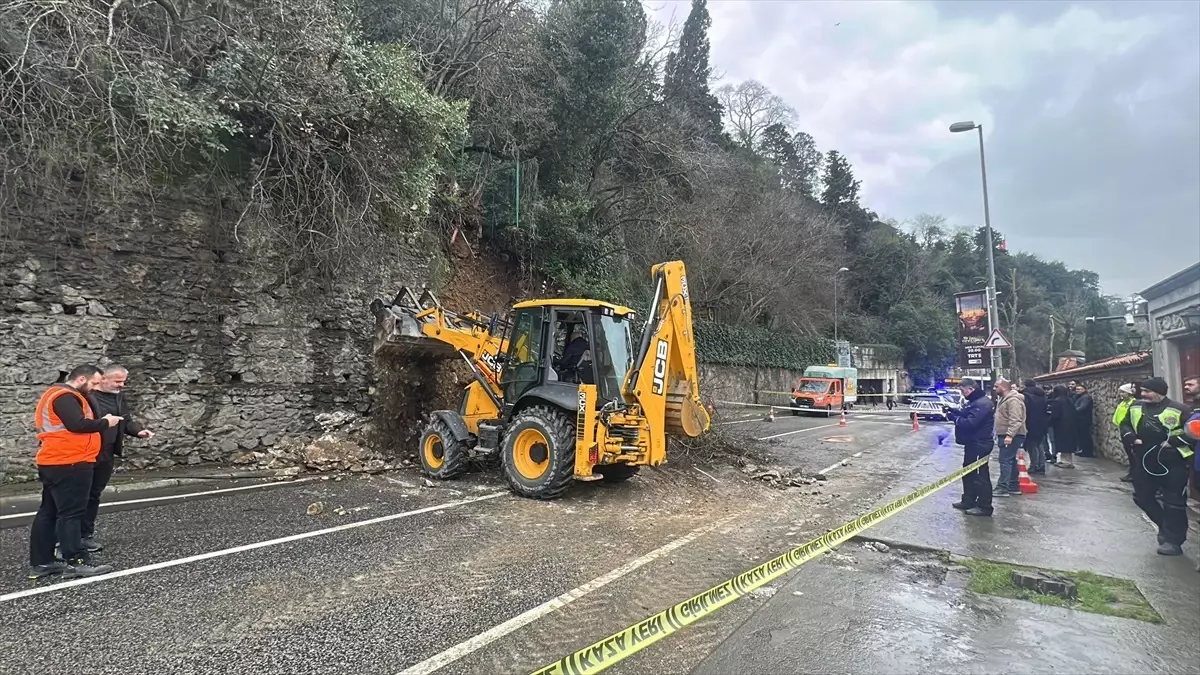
797 431
8 597
831 467
489 636
185 495
756 419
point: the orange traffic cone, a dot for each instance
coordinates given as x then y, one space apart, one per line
1026 484
916 424
842 423
771 414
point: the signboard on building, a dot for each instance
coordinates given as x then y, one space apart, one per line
843 353
972 329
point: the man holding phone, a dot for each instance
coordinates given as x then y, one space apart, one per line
69 436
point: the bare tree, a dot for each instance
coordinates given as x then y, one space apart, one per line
750 107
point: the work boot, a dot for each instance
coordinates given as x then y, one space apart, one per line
83 568
960 506
1167 548
976 511
1000 492
49 569
91 545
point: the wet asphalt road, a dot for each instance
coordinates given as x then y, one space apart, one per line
388 595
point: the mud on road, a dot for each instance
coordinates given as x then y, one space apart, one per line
392 595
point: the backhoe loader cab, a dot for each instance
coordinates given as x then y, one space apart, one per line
561 392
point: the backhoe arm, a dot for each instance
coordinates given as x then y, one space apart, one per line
664 381
421 328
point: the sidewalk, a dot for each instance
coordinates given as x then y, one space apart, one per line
861 611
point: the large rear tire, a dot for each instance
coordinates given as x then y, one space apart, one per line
442 455
617 473
539 453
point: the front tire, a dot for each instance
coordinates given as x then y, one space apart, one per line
539 453
442 455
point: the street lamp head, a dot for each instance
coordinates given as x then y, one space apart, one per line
959 127
844 269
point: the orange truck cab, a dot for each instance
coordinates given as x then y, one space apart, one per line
827 389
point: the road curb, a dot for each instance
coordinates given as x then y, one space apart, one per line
159 484
151 485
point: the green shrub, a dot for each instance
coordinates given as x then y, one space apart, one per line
750 346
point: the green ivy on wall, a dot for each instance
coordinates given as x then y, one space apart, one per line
751 346
885 352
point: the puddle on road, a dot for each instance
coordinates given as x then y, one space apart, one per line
929 569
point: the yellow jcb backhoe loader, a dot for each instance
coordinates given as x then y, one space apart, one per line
560 391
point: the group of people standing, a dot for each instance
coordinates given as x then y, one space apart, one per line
81 425
1060 425
1160 437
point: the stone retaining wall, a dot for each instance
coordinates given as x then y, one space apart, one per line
226 354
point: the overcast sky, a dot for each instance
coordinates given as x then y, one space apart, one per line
1091 114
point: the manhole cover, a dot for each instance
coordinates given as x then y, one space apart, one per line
838 439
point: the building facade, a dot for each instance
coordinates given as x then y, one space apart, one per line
1173 309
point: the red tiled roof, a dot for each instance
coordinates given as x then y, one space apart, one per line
1111 363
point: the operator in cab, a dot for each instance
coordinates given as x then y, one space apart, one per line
573 353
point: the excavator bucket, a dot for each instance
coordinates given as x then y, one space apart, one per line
398 330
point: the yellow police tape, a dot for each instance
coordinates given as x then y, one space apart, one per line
615 648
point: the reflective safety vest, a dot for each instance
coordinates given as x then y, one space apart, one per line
59 446
1121 412
1171 420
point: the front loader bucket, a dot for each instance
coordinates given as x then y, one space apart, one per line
398 331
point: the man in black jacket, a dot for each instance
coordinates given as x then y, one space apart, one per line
1037 422
1154 429
1084 407
974 425
109 398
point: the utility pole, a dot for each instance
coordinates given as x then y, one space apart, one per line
959 127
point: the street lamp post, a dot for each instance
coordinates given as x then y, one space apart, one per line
835 305
959 127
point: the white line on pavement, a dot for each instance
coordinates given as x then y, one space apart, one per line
238 549
757 419
521 620
831 467
185 495
797 431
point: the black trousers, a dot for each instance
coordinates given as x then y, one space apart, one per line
100 477
65 491
1087 447
977 485
1163 497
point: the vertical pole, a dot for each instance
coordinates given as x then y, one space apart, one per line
835 313
1052 326
517 202
987 223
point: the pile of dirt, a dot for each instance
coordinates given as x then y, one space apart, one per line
483 284
405 389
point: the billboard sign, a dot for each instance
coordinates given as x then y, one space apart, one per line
972 329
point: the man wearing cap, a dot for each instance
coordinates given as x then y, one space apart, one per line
1160 456
1126 392
973 429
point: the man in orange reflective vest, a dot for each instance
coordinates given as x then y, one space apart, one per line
69 434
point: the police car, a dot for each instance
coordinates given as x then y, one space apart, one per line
932 406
